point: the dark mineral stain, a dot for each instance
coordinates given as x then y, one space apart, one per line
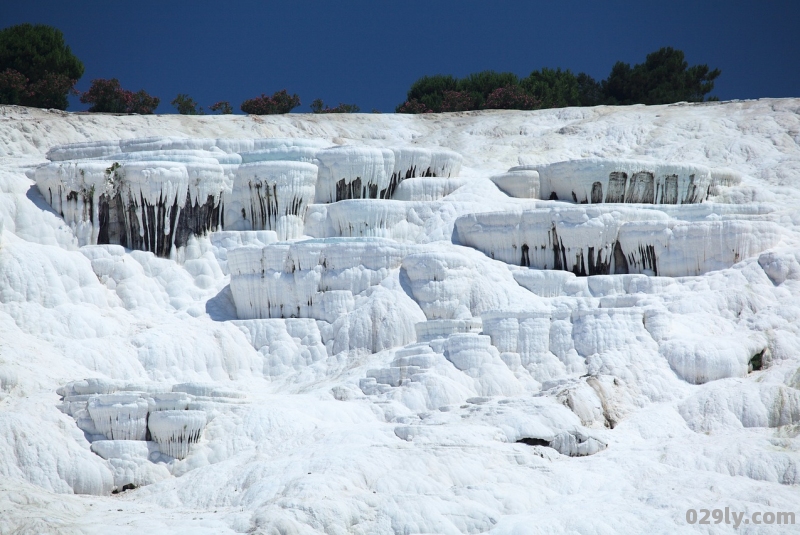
640 189
526 260
620 262
617 181
691 192
534 442
597 193
670 195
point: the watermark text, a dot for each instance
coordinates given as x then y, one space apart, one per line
737 518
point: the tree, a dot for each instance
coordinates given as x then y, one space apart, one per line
482 84
665 77
186 105
590 91
38 53
555 88
279 102
107 96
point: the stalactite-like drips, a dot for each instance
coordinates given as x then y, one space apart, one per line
176 430
119 416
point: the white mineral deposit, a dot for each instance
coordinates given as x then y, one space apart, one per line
577 320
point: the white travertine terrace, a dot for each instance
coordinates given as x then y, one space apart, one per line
615 240
350 172
147 205
426 188
119 416
460 325
603 180
521 183
442 328
154 193
175 431
271 195
309 279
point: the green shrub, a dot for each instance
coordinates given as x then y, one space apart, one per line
38 53
590 91
279 102
186 105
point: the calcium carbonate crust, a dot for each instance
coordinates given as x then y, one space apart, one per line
445 323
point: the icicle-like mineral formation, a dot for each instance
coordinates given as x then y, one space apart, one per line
154 193
600 180
606 240
308 279
271 195
174 430
413 162
147 205
119 416
349 172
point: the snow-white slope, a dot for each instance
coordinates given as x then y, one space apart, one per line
407 371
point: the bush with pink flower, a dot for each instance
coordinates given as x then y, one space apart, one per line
279 102
511 98
107 96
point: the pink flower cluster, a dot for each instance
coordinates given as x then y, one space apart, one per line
458 101
511 98
48 91
413 106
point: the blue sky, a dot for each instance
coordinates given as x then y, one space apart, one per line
369 52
